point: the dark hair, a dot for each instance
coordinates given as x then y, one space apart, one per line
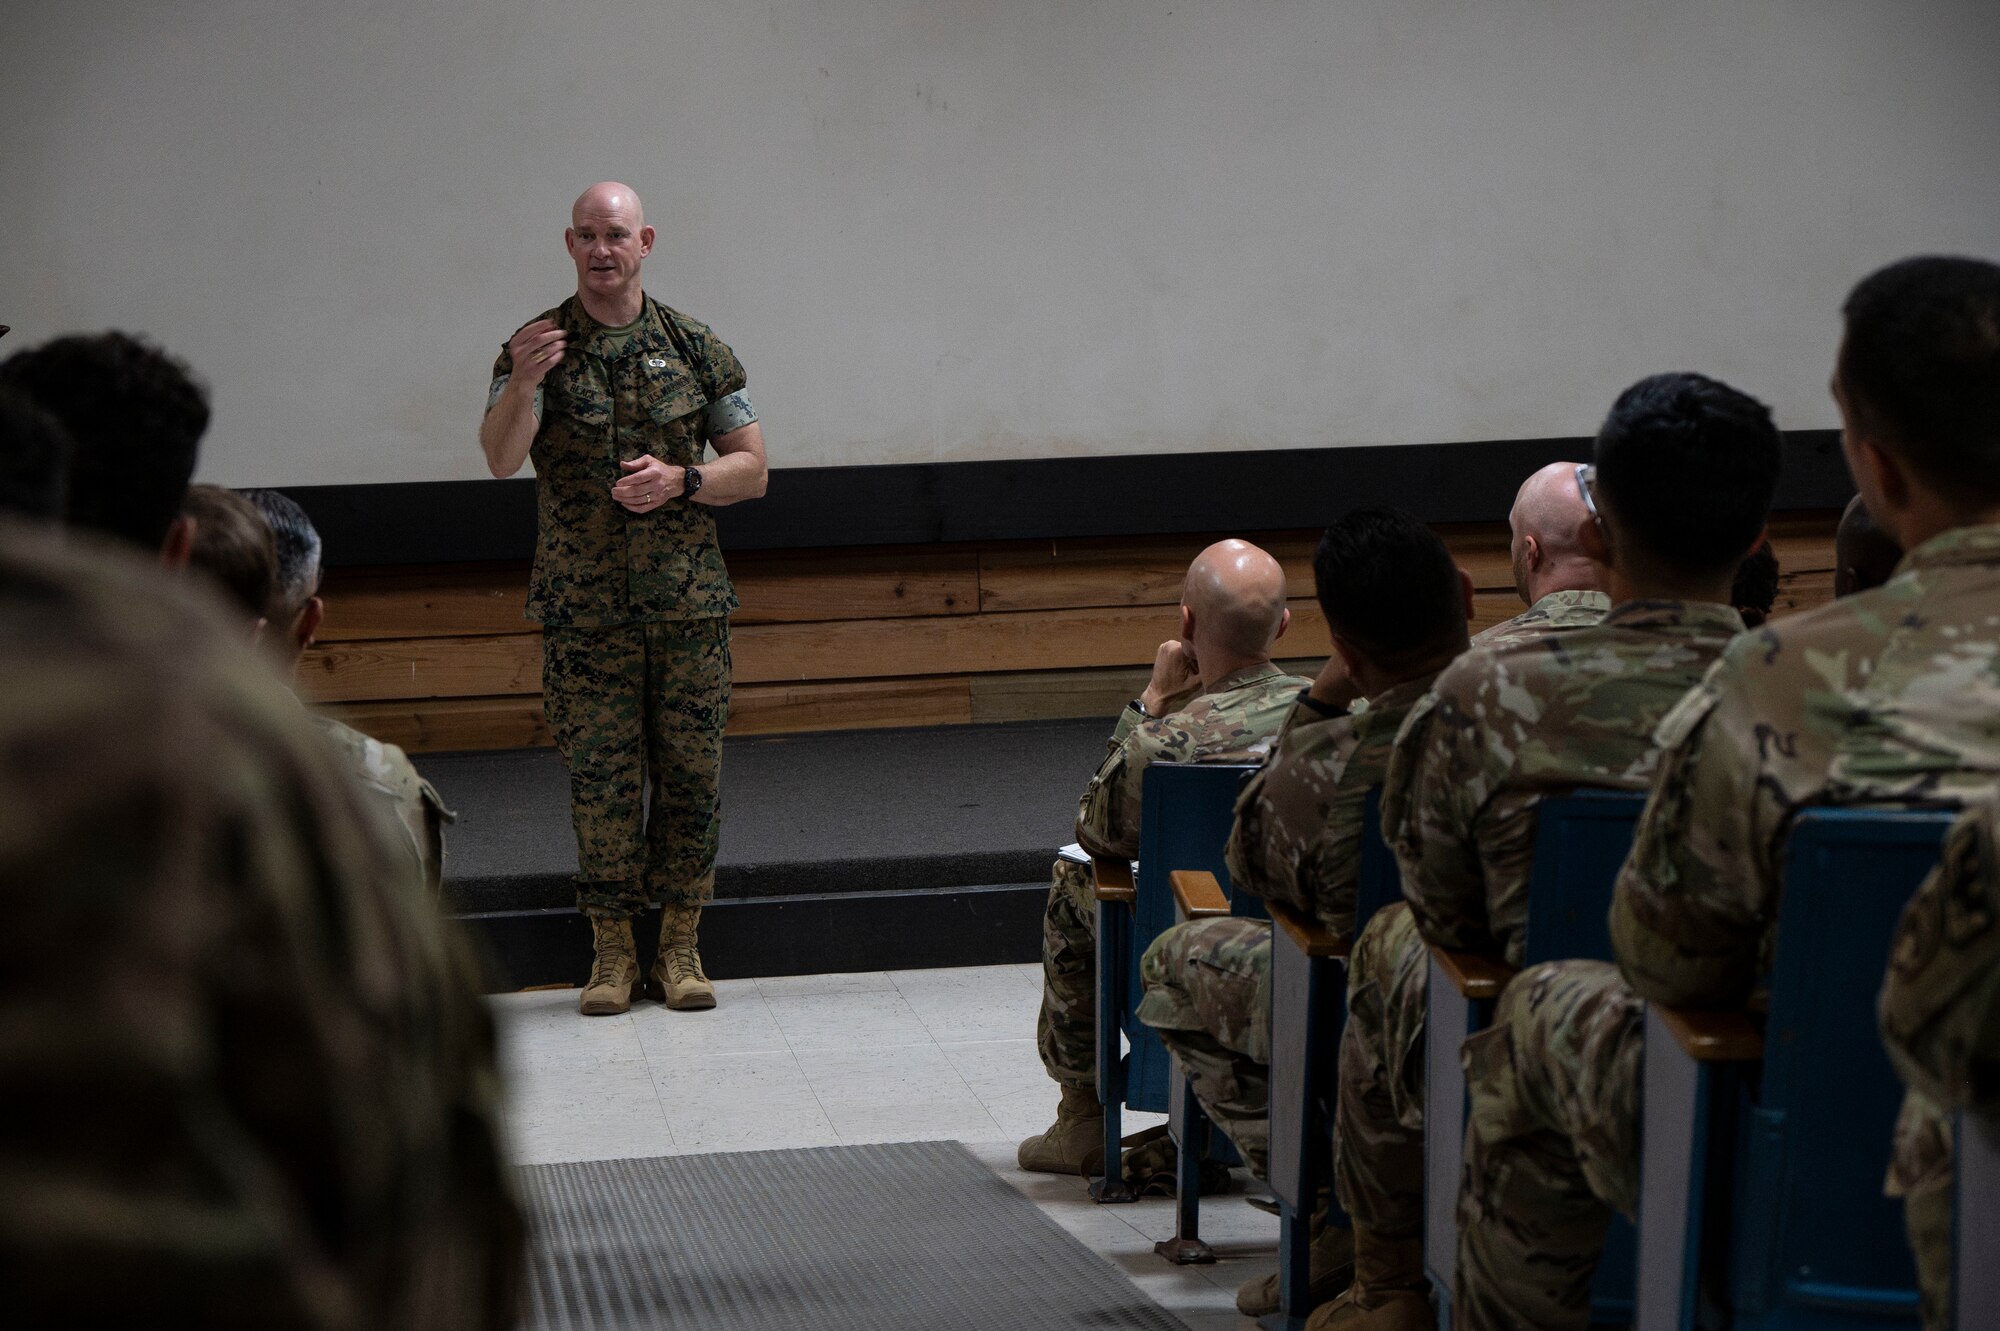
1756 589
297 543
1920 369
1388 586
34 457
1687 466
135 417
232 544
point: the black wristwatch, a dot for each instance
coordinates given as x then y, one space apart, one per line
690 482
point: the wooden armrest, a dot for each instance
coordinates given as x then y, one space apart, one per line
1713 1036
1308 935
1474 974
1113 877
1198 894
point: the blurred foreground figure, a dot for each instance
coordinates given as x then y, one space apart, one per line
247 1079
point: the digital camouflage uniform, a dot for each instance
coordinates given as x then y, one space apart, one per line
1886 697
414 808
249 1081
1506 726
1552 613
1297 840
1233 723
1940 1012
634 606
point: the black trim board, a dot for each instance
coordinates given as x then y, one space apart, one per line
440 522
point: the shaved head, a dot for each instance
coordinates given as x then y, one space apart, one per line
608 198
1547 517
1235 593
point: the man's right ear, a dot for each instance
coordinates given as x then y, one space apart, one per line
177 547
1465 590
306 626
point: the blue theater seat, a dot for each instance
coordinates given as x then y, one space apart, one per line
1581 841
1187 812
1308 1012
1766 1143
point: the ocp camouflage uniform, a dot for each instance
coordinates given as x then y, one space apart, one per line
1233 723
634 606
1554 613
1506 726
1887 697
1296 840
1940 1013
249 1081
412 804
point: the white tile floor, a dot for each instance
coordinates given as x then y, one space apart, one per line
826 1060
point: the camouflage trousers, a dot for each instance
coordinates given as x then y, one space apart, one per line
1551 1145
1921 1172
638 710
1378 1135
1208 994
1066 1030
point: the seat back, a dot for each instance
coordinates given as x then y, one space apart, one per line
1815 1241
1187 810
1381 880
1581 840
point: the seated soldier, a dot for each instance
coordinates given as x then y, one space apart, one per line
1864 556
1552 572
1941 1024
1684 473
1397 607
1883 697
1755 590
1214 697
383 769
231 544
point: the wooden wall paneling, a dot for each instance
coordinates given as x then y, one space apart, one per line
1062 575
433 725
812 586
423 668
763 709
1027 640
451 600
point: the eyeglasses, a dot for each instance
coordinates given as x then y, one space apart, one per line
1586 478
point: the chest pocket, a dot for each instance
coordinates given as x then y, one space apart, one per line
579 390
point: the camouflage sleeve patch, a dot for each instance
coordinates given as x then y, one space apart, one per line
1940 1001
1690 916
729 414
499 385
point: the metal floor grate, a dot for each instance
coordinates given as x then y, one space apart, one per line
913 1235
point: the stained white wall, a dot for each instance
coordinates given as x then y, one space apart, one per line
951 229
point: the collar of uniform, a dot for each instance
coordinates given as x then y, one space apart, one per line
1574 599
1394 700
1955 548
1248 676
1661 614
650 335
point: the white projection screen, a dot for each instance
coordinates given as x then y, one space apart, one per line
944 230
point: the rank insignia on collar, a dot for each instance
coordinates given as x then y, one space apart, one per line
655 363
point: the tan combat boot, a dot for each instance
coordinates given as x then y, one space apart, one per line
612 974
1330 1271
677 978
1076 1136
1389 1293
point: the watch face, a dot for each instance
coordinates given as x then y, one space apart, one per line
693 480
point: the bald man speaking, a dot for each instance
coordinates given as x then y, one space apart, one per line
1215 697
615 396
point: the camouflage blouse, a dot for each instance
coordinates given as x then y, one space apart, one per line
1297 837
618 396
1508 725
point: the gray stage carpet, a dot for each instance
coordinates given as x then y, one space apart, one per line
916 1235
